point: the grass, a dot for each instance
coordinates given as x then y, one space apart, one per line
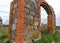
46 38
4 35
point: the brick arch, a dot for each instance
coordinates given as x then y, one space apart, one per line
51 15
46 7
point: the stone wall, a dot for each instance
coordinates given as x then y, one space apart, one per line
31 20
25 20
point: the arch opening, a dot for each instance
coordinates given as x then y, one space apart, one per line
44 18
50 17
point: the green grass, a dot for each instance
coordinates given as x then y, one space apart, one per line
46 38
4 35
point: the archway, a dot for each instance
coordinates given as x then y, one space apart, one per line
43 26
43 16
51 15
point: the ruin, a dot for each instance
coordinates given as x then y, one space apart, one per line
25 20
0 24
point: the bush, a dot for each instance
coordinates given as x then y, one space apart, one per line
4 35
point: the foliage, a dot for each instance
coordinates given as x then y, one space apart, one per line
48 38
44 30
4 35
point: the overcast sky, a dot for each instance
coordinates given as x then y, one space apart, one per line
5 9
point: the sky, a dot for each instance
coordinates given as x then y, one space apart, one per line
56 7
5 10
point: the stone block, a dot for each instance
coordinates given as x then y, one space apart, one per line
15 5
26 21
28 6
28 16
36 14
27 10
36 1
32 8
28 26
32 13
13 26
36 23
13 30
35 27
31 30
35 10
26 32
28 1
32 4
36 18
31 17
16 21
32 27
31 22
15 10
36 7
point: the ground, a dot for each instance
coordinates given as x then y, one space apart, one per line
46 38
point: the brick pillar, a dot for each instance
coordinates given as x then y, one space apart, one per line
10 20
54 18
39 19
20 25
51 23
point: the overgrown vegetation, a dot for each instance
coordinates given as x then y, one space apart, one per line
49 38
4 35
46 38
